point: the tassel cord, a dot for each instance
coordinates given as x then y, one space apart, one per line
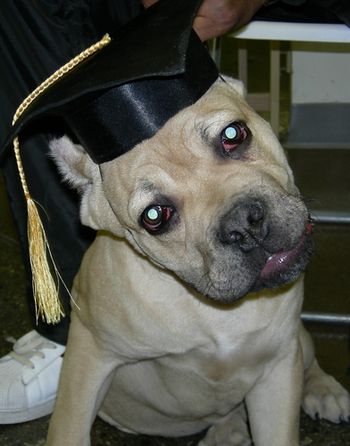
45 288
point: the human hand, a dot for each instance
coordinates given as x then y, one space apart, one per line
217 17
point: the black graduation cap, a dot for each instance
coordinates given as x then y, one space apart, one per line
151 69
114 95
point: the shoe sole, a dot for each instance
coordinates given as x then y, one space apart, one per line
22 416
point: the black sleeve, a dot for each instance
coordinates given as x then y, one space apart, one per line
109 15
310 11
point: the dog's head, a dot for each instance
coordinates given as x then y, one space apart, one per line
210 197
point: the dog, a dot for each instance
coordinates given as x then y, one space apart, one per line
187 304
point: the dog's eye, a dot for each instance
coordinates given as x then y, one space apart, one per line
155 217
233 135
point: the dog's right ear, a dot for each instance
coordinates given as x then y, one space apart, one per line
73 163
82 174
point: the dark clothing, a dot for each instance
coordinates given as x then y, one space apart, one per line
310 11
36 38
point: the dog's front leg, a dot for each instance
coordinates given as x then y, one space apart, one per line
274 402
85 378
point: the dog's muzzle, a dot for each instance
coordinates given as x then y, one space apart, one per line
262 242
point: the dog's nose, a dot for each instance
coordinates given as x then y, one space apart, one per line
245 225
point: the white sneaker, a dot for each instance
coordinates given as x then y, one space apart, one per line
29 379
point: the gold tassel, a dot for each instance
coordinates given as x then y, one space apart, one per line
45 288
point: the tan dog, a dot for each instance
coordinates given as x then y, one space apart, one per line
190 297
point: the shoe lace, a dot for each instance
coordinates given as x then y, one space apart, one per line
24 357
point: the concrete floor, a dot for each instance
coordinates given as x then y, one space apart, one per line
324 180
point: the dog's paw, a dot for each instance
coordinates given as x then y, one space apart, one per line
324 397
230 431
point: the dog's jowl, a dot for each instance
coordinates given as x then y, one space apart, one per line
189 299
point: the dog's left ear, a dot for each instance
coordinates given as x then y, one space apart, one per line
82 174
236 84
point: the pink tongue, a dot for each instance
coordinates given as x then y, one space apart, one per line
279 262
283 260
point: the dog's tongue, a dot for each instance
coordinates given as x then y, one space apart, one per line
281 261
278 263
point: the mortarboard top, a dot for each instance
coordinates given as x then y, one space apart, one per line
152 68
114 95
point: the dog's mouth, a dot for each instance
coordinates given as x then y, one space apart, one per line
267 271
279 263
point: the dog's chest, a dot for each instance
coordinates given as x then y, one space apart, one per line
229 366
222 380
202 384
204 364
